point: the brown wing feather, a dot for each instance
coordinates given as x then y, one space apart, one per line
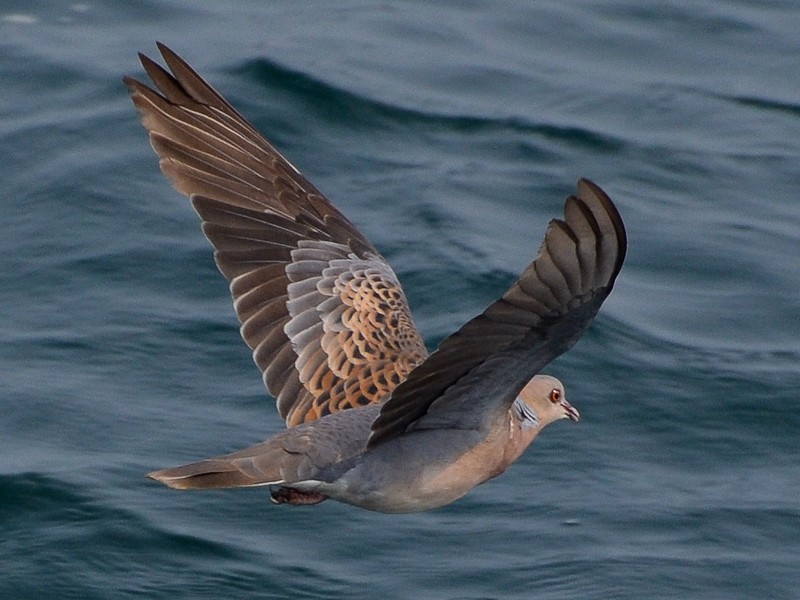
327 320
481 368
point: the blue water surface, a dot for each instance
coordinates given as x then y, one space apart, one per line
450 133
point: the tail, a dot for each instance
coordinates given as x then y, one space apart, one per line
267 463
304 453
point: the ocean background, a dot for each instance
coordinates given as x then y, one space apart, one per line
450 133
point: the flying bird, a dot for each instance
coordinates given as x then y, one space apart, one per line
373 419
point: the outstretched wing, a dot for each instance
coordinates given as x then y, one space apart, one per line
327 320
481 368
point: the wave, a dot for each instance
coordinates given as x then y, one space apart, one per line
330 99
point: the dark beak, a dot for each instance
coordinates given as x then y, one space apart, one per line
572 412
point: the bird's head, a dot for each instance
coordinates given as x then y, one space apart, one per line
544 396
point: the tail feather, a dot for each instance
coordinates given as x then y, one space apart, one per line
267 463
215 473
302 454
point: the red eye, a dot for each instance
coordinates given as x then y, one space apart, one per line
555 395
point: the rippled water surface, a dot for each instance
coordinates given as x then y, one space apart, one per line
450 133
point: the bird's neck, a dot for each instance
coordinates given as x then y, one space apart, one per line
522 426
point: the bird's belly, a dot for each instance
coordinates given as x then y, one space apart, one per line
410 477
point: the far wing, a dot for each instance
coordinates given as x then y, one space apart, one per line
327 320
481 368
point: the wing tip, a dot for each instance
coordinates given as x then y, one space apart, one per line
172 58
589 189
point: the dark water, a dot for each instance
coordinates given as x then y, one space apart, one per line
450 133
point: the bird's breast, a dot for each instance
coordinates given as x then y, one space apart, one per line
427 469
